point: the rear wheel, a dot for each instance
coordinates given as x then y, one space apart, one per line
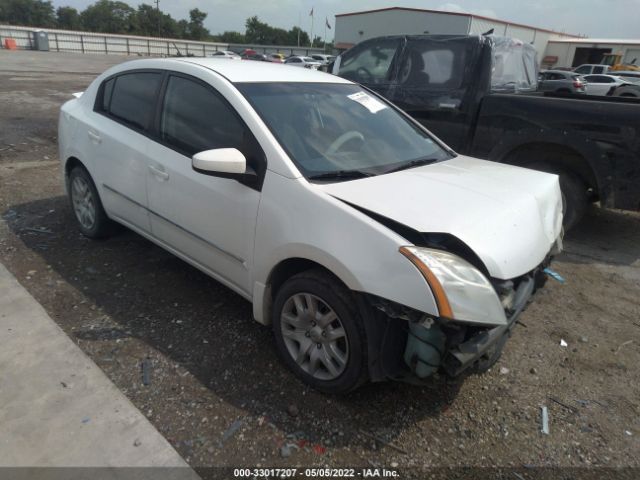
319 333
574 199
86 205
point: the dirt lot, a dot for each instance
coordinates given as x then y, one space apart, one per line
216 389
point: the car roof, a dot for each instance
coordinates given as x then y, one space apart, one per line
246 71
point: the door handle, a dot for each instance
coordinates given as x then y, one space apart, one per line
94 137
161 174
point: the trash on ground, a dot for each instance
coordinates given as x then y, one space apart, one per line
555 275
287 449
146 371
545 420
563 343
233 428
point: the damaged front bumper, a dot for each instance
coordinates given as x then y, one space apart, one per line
484 348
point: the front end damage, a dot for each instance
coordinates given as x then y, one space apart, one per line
411 346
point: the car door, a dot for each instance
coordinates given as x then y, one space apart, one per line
209 220
599 84
118 135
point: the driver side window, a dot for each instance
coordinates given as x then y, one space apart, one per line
369 63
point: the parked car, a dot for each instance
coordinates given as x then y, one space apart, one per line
259 57
306 62
276 57
478 93
373 249
561 82
633 77
322 58
226 54
603 84
591 68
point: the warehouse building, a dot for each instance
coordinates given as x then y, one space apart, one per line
572 52
352 28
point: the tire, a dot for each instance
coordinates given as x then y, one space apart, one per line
574 200
87 208
299 333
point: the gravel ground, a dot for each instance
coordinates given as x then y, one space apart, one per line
215 388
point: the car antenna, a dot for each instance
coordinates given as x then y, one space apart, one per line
489 32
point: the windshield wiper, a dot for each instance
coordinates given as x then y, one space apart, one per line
413 163
340 174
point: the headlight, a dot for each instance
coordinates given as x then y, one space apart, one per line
461 291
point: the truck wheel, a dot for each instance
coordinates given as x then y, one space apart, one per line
574 199
86 205
319 333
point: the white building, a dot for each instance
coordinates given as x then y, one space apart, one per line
572 52
352 28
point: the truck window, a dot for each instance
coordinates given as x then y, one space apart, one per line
432 64
369 62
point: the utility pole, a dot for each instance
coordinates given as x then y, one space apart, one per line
159 15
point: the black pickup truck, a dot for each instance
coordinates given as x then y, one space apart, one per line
478 94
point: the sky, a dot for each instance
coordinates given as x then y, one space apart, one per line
594 18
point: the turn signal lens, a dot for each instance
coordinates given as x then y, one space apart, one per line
444 308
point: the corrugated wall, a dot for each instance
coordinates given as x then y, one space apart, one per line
397 22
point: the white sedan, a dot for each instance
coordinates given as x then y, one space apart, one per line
226 54
306 62
372 249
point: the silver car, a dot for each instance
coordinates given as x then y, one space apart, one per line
560 81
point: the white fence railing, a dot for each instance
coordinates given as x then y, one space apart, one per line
107 44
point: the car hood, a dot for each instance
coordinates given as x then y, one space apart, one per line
509 216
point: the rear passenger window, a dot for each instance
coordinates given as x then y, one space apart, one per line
132 98
106 94
195 119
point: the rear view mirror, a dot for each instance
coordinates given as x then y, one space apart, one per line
226 162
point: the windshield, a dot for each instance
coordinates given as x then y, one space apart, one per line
329 128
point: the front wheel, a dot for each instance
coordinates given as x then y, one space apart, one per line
319 333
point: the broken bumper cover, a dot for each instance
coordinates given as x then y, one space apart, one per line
489 342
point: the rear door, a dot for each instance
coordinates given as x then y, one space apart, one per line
209 220
119 137
599 84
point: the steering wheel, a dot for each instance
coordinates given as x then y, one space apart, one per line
342 139
364 75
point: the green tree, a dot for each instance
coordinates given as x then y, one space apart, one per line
152 22
196 25
34 13
109 17
292 37
68 18
231 37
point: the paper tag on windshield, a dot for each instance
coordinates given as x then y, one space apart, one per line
367 101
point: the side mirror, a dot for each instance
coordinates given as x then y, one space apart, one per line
223 162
